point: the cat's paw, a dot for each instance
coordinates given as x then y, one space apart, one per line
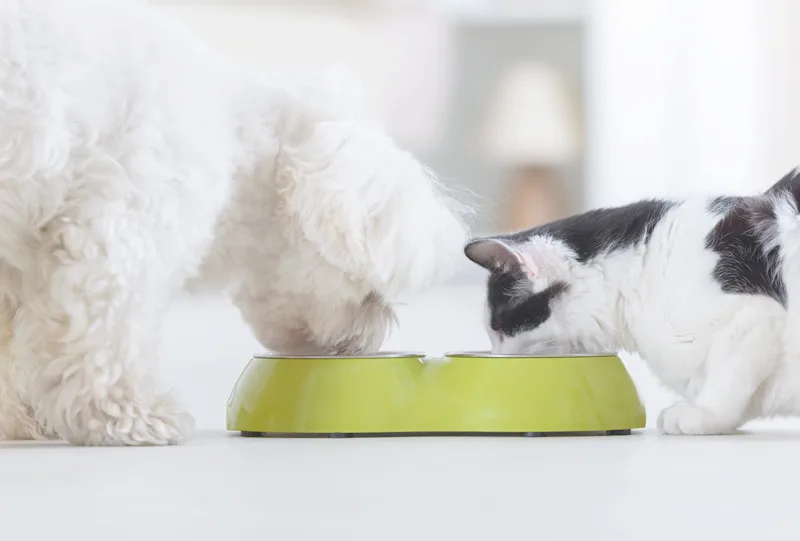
685 418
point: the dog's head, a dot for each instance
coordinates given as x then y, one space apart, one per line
360 223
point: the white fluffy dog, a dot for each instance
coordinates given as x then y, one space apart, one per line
134 163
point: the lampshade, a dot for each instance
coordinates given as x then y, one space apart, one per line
532 119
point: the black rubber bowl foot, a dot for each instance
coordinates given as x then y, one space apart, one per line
246 434
622 432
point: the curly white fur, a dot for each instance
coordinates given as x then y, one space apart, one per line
134 163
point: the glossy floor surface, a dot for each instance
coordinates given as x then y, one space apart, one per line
220 486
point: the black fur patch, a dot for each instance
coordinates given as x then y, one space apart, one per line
514 312
745 266
722 204
789 185
604 230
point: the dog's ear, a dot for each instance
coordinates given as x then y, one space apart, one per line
324 188
369 209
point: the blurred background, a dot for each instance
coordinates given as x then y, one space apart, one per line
541 108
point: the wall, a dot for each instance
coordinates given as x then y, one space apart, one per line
428 75
690 97
401 61
782 84
483 52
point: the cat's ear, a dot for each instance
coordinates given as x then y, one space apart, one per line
493 254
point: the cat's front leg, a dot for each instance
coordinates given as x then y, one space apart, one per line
687 418
743 355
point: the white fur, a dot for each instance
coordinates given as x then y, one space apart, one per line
731 357
133 163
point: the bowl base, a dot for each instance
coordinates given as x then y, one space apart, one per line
248 434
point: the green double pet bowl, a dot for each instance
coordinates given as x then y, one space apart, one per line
406 393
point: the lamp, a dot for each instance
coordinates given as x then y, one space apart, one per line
532 129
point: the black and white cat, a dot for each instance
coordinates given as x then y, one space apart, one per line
706 291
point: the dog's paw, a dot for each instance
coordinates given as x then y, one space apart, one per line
161 423
686 418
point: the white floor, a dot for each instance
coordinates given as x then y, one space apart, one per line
220 486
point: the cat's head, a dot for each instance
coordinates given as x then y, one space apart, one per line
540 298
